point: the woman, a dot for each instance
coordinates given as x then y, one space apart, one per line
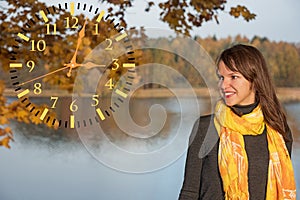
251 158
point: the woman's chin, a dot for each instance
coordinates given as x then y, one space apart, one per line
229 103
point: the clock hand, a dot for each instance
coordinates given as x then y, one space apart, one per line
42 76
81 35
88 65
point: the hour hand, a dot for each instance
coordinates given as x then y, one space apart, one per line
90 65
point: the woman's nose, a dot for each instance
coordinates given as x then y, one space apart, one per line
225 83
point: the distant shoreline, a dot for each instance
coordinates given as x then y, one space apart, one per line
284 94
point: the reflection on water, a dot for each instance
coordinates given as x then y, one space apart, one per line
47 164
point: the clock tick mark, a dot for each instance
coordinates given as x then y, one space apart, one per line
22 94
115 26
18 40
28 25
37 113
33 22
54 9
121 100
72 8
100 114
112 21
37 17
24 100
44 113
72 121
121 37
121 93
112 109
45 18
23 37
107 113
32 109
100 16
117 105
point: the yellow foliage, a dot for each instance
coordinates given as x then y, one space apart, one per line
7 133
86 42
5 142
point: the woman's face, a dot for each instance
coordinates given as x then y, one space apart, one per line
234 88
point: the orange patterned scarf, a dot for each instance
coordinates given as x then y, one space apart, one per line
233 161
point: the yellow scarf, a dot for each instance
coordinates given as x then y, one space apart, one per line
233 161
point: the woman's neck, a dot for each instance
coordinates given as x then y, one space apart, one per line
244 109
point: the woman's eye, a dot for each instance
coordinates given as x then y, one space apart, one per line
221 78
234 77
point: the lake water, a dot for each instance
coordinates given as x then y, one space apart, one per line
48 165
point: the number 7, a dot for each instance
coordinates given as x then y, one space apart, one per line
54 102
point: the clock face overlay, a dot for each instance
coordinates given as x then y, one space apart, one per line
133 112
57 45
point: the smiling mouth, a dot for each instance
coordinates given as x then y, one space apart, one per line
228 94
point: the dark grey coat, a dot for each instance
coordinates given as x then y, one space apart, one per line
202 179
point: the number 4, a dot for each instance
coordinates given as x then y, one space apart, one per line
110 84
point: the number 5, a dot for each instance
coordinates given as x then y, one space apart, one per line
96 100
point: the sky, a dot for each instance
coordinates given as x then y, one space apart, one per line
276 19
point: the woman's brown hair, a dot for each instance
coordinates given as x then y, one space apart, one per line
249 61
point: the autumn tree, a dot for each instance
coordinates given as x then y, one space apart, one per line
59 49
181 16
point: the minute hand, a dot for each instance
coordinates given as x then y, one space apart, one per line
48 74
81 35
87 65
